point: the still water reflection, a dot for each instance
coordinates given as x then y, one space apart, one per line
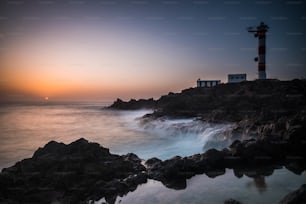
202 189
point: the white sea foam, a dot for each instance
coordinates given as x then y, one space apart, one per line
166 137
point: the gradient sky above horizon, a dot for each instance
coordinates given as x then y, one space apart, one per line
101 50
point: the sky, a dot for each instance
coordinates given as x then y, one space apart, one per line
108 49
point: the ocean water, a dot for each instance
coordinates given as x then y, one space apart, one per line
26 127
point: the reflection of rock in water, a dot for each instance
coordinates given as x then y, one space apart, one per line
232 201
259 182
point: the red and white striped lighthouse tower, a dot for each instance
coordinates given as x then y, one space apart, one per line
260 33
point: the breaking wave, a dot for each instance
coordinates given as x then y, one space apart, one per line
204 135
171 137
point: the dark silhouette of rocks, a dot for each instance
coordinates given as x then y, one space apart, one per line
73 173
261 107
83 171
296 197
134 104
228 102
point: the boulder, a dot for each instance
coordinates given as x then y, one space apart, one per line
214 158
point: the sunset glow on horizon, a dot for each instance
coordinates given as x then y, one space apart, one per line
133 51
88 64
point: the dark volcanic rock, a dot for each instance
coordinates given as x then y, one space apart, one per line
73 173
270 110
266 100
134 104
295 197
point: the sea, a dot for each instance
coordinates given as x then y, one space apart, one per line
24 127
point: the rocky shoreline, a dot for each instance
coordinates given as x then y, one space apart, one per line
272 111
254 105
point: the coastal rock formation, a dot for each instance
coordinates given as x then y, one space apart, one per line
228 102
273 112
134 104
260 107
73 173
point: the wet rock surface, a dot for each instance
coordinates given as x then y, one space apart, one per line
73 173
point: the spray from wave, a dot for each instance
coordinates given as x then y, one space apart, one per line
204 135
183 137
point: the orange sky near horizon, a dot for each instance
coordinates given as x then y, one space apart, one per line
85 66
41 83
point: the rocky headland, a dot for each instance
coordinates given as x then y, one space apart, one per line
268 110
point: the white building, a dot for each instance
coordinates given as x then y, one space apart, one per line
207 83
236 78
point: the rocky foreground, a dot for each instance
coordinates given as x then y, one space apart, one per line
74 173
83 171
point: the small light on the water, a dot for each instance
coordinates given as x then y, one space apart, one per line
46 98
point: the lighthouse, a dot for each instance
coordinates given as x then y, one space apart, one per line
260 33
